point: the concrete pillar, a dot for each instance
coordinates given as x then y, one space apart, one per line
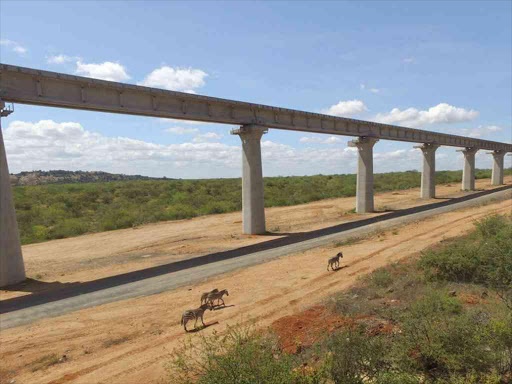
468 173
364 189
12 268
253 204
428 173
498 168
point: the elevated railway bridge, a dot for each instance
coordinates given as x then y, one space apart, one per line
43 88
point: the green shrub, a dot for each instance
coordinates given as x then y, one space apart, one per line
397 378
381 278
356 358
241 356
441 339
501 343
485 257
40 232
112 205
68 228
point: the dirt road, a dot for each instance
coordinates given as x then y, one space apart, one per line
128 341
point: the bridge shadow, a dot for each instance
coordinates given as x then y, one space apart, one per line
75 289
37 286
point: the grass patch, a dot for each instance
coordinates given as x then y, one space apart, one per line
239 356
116 341
44 362
349 241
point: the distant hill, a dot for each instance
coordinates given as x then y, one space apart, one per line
66 177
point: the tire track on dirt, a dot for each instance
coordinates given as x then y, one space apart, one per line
326 275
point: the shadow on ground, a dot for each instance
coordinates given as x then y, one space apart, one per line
37 286
201 327
75 289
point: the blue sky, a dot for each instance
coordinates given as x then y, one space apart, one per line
441 66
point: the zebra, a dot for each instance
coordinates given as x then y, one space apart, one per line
335 261
217 296
204 296
194 314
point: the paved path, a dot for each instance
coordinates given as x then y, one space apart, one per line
28 309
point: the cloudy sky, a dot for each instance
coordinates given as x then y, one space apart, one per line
440 66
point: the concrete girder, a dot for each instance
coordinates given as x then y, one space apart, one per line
12 267
364 189
253 203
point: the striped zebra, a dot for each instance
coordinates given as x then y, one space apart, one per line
204 296
194 314
335 261
217 296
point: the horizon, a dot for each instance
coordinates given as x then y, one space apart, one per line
239 177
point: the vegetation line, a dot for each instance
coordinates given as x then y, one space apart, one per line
57 211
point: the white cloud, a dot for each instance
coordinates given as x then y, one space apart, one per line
441 113
202 137
175 79
59 59
104 71
372 90
321 140
14 46
346 108
481 130
47 144
19 49
181 130
493 128
409 60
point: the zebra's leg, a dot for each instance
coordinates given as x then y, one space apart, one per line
223 303
185 325
195 323
202 321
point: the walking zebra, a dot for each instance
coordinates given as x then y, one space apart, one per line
194 314
204 296
217 296
335 261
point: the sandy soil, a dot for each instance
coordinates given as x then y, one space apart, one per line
129 341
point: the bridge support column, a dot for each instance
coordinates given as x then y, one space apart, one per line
498 168
253 204
468 173
428 173
12 268
364 190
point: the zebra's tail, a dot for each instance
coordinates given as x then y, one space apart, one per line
181 322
